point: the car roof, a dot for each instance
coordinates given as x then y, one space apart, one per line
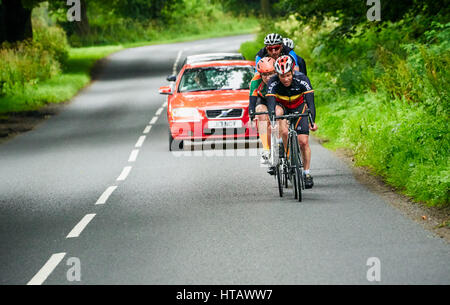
213 56
221 63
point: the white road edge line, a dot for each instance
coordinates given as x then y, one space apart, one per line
126 170
104 197
147 129
47 269
160 110
133 155
76 231
140 142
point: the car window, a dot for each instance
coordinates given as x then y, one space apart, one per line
216 78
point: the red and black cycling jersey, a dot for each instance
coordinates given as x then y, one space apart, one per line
291 97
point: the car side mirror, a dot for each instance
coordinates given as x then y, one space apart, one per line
165 90
171 78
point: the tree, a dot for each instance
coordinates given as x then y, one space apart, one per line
265 8
81 26
352 13
15 19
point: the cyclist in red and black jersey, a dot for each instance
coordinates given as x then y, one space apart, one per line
288 92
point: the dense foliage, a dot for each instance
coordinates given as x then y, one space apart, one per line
30 61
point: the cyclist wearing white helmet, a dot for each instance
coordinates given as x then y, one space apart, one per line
288 42
301 63
289 92
275 48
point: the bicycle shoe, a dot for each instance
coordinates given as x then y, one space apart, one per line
309 181
265 157
271 171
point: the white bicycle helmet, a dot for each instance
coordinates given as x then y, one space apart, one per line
288 42
284 64
273 39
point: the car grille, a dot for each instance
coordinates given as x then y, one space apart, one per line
230 113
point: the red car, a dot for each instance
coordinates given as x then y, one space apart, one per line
210 101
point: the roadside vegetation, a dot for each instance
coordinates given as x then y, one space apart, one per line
53 65
382 89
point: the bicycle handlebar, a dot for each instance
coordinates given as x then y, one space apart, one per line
291 116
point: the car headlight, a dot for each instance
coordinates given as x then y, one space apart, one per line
186 114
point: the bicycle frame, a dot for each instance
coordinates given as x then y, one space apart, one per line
290 165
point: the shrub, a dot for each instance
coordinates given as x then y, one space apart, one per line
31 61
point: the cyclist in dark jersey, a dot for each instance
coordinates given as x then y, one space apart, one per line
289 92
290 44
275 48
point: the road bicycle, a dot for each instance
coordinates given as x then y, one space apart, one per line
288 164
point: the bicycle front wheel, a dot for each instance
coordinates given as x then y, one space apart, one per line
279 180
296 163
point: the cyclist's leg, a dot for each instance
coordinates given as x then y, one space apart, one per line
303 140
263 126
282 124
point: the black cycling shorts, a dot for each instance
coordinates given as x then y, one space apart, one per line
303 122
261 101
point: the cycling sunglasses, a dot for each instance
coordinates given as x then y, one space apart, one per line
268 74
273 48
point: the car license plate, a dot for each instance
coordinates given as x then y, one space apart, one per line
225 124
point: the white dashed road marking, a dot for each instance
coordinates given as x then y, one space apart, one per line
133 155
56 258
147 129
153 121
126 170
104 197
140 141
76 231
47 269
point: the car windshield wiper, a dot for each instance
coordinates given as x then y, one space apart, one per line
213 89
229 88
202 89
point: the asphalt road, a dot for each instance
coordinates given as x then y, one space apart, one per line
86 186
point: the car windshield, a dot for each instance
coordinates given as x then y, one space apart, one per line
216 78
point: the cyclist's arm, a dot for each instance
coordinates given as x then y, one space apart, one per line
302 65
252 104
254 84
271 96
294 56
309 96
258 58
